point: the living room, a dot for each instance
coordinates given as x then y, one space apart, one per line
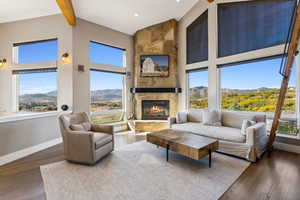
174 99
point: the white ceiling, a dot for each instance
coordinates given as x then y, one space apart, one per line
116 14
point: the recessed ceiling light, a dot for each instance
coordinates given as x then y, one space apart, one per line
136 14
177 1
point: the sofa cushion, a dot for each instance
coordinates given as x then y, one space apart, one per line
234 119
101 139
181 117
211 118
222 133
195 115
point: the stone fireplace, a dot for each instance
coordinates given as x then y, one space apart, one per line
155 98
155 109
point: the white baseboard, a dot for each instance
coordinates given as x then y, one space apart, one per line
28 151
287 147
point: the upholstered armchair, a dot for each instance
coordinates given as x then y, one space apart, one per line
83 141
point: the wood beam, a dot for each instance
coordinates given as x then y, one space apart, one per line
287 73
67 10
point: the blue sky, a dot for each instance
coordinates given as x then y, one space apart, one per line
244 76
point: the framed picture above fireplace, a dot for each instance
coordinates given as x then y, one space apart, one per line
154 66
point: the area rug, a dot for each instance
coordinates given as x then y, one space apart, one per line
140 172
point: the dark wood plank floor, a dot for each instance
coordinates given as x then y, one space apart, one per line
275 178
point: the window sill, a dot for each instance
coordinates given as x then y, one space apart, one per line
26 116
295 137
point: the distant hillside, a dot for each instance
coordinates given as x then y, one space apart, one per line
97 95
100 95
203 89
45 97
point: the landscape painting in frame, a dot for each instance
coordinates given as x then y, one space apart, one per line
155 66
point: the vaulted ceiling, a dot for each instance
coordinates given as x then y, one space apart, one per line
125 16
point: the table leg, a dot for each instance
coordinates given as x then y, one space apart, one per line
168 152
209 158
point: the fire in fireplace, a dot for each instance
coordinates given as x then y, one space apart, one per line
155 109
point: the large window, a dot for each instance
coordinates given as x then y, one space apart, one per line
107 55
198 86
255 87
106 96
197 39
36 90
42 51
251 25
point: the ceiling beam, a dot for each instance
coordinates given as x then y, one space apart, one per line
67 10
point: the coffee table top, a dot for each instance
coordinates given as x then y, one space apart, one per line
184 138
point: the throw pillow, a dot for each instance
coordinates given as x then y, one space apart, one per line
86 126
181 118
77 127
211 118
245 125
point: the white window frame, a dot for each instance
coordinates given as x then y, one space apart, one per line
111 69
28 66
188 84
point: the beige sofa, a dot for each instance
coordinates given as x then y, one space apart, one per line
85 146
231 140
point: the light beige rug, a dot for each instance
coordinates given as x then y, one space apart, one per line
140 172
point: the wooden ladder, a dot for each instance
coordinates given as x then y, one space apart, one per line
285 70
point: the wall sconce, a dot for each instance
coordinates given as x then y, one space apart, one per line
2 62
65 58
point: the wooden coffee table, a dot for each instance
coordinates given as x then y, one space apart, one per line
184 143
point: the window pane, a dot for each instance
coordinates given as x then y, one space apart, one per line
197 39
255 87
38 92
251 25
106 95
103 54
37 52
198 85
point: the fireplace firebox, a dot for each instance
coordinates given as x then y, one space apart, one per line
155 109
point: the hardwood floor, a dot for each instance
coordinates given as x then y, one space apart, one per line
275 178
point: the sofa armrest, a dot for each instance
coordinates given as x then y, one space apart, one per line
255 132
171 120
109 129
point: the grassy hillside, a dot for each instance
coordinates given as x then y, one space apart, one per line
260 100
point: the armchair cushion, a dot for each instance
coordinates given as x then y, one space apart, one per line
102 139
85 126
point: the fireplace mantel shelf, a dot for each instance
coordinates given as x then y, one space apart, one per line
155 90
